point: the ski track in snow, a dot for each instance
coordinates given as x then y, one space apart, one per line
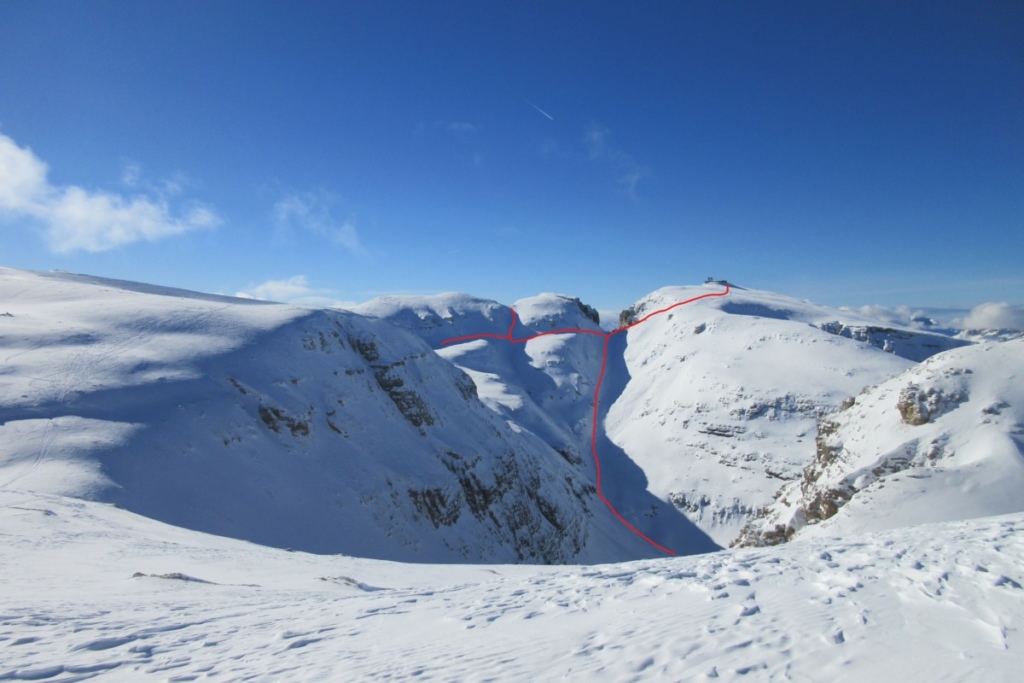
939 602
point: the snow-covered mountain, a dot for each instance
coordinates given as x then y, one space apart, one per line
942 441
718 402
709 407
318 430
452 429
444 428
544 384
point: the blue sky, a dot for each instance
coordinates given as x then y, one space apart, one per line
850 153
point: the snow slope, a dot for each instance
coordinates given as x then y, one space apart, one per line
544 385
319 430
717 401
335 432
398 432
942 441
708 407
91 592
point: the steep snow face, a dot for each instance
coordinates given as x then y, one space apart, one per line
942 441
89 590
545 385
717 401
318 430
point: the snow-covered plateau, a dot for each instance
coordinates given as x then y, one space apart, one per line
199 487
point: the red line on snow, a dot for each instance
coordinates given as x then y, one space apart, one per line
597 390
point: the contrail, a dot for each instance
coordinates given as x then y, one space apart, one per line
539 109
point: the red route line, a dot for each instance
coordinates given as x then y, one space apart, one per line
597 390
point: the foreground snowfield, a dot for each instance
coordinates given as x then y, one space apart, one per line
938 603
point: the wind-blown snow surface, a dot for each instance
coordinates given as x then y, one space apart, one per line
318 430
91 592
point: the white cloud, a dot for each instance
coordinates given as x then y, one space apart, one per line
995 316
456 127
984 316
294 290
463 127
312 212
595 137
74 218
631 178
102 221
595 140
550 148
893 315
132 178
22 177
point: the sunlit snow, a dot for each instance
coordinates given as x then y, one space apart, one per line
171 461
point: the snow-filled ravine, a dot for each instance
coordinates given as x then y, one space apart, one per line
92 592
